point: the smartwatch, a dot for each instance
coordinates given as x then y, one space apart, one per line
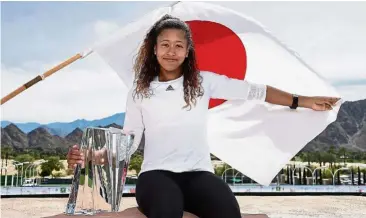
295 102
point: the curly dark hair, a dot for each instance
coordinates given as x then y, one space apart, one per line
146 65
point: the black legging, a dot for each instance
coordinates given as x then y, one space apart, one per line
163 194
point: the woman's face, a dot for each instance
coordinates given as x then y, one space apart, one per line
171 49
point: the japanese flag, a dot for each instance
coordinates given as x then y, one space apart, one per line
257 139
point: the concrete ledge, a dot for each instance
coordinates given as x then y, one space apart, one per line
133 212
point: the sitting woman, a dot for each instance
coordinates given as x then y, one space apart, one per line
169 103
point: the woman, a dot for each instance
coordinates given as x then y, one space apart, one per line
169 103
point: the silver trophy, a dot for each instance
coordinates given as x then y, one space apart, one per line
98 183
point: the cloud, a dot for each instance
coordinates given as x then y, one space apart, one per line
353 93
88 89
341 66
329 36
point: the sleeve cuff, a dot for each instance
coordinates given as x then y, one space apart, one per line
257 92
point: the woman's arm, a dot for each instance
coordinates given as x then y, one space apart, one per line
222 87
133 119
279 97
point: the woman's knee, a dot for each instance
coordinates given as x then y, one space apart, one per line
210 197
159 196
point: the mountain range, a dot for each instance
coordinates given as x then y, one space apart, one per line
349 130
64 128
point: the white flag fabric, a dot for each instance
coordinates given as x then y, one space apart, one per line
257 139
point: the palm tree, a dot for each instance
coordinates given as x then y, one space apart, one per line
342 153
329 158
6 151
306 156
331 149
319 157
358 176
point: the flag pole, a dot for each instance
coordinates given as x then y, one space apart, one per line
48 73
43 76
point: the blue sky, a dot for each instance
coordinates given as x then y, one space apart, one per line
53 30
35 36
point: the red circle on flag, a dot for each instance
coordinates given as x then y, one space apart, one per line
218 50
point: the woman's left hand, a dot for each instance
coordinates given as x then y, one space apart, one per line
320 103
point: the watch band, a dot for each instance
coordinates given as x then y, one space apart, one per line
295 102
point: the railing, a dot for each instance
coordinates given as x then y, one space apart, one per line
236 189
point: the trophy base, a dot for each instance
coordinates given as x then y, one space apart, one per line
70 211
134 212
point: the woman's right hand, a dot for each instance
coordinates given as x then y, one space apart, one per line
74 157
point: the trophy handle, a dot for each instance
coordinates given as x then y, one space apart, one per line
70 207
71 203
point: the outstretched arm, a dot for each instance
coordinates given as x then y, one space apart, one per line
279 97
222 87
